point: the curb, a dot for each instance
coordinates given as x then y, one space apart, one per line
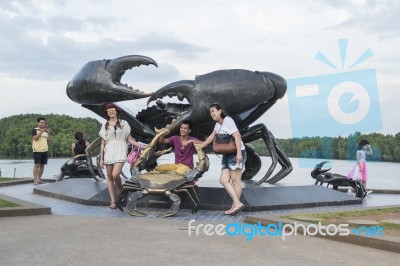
25 209
376 190
386 243
22 181
16 181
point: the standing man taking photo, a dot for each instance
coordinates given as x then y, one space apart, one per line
40 141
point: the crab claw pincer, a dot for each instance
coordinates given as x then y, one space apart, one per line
100 81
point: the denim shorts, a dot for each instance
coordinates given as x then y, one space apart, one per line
229 161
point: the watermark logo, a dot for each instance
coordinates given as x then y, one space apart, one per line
249 231
335 104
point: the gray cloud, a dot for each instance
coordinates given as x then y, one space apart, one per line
182 49
44 43
53 56
376 17
63 24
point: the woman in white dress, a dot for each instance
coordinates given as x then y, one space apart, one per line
115 134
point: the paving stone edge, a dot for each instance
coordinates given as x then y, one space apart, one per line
25 209
383 242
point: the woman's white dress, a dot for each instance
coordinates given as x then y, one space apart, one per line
116 145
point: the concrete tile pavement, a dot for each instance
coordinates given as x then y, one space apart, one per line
87 240
87 235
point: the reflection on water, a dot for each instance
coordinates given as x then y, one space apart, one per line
380 174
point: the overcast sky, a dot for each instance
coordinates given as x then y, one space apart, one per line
44 43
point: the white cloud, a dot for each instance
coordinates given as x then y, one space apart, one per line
44 43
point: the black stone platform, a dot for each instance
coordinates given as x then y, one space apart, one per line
89 192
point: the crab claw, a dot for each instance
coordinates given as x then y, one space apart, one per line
151 154
318 169
201 167
100 81
182 90
320 165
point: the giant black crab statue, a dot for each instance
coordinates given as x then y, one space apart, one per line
245 95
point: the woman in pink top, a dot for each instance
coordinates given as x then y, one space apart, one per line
359 170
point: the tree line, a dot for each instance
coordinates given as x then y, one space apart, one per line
16 140
384 147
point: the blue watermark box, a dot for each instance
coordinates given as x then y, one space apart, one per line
336 104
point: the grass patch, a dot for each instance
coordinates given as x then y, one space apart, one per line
6 204
342 217
357 213
348 214
389 226
6 179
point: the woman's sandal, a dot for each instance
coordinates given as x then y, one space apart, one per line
236 210
113 205
228 212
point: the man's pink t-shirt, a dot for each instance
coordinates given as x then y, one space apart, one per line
183 154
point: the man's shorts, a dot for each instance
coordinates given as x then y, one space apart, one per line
40 157
229 161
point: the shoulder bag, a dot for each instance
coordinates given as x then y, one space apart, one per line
224 144
133 155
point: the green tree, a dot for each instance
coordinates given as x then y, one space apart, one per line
16 139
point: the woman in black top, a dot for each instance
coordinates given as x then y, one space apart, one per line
79 146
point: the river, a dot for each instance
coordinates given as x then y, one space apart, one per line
381 175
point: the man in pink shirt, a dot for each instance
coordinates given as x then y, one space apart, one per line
183 148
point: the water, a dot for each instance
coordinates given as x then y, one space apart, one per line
381 175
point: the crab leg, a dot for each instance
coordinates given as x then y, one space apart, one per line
132 200
176 202
192 195
96 143
276 152
283 161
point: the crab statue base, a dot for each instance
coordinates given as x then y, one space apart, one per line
212 196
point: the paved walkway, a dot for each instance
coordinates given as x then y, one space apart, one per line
61 207
88 235
72 240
